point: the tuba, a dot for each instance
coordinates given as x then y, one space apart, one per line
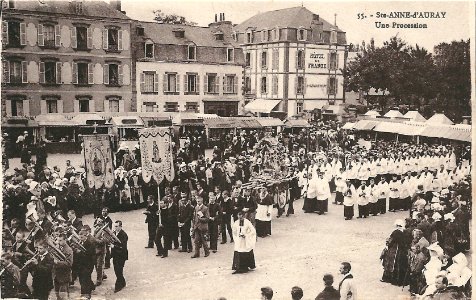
74 240
106 234
54 250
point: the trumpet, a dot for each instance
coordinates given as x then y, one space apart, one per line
106 234
54 250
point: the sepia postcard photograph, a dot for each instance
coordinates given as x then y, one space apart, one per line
237 150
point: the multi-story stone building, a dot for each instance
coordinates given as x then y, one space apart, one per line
64 57
187 68
294 61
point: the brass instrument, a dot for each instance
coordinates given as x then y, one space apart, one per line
74 240
31 259
106 234
54 250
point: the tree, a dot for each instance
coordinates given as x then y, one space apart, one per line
162 18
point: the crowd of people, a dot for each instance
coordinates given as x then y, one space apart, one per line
231 196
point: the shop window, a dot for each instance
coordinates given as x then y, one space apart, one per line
51 106
149 50
211 84
83 105
191 52
17 108
230 84
263 85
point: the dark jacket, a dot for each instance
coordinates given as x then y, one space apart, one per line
42 274
120 251
86 259
185 214
329 293
62 269
151 216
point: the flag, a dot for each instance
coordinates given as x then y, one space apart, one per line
98 161
156 153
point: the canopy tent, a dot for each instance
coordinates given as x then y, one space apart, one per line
54 120
439 119
270 122
372 113
348 126
387 127
231 123
296 123
415 116
393 114
365 125
409 129
262 105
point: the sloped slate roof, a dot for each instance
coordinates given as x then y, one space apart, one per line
293 17
90 8
200 36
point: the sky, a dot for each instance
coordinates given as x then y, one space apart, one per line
455 25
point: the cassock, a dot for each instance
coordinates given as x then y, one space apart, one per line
323 193
349 198
244 235
263 215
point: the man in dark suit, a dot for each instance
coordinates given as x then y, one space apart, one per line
151 220
74 221
119 255
215 219
85 261
62 269
184 219
42 267
201 216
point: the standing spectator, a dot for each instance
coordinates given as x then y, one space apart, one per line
396 256
184 219
227 211
329 292
347 288
214 221
119 254
296 293
201 216
41 156
266 293
151 220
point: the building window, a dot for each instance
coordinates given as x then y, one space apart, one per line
191 107
276 34
140 31
191 83
332 86
149 50
17 108
302 34
230 84
249 37
333 37
275 85
264 35
50 72
81 38
149 82
14 33
113 74
170 83
300 59
192 52
333 61
83 105
247 59
230 55
49 36
300 85
113 105
171 107
299 107
52 106
83 73
211 83
15 72
264 58
112 39
247 85
149 106
275 59
263 85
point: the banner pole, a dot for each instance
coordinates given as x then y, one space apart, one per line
158 201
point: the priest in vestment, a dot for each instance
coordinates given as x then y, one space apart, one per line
244 235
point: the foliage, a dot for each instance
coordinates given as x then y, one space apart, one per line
161 17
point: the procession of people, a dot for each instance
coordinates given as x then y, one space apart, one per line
232 196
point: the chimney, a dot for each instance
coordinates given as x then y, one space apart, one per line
223 16
216 20
116 4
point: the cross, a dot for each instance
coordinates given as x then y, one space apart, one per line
95 125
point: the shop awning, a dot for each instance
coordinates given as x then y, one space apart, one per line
88 119
387 127
54 120
218 123
262 105
270 122
408 129
296 123
232 123
365 125
333 110
127 121
18 122
348 126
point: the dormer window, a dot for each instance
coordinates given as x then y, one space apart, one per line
301 34
149 50
276 34
264 35
230 53
249 37
192 52
333 37
140 31
219 36
234 36
179 33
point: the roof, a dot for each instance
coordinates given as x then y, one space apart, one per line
296 123
387 127
372 113
293 17
270 122
99 9
348 125
232 123
200 36
414 115
439 119
365 125
393 114
52 120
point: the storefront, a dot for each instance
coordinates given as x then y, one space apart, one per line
126 127
15 127
222 108
91 124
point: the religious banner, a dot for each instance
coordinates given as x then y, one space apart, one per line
156 153
98 160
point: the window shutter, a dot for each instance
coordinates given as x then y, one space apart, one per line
22 34
296 84
5 33
24 72
177 83
142 82
329 61
185 83
26 108
106 74
58 72
57 35
41 37
89 38
8 104
105 43
297 59
121 74
235 85
156 82
302 60
328 86
336 87
119 39
42 72
225 85
43 107
74 38
6 71
205 84
59 106
197 83
165 83
75 73
217 84
337 61
90 74
304 86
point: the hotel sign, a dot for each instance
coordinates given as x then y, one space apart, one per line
316 60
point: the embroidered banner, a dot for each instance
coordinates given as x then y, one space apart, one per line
156 153
98 160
